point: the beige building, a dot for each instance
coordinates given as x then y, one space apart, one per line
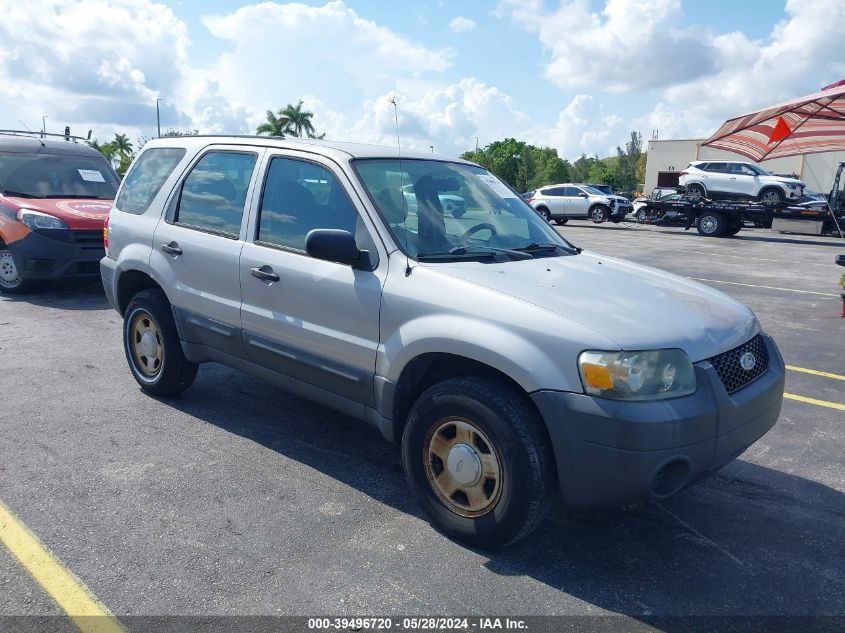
816 170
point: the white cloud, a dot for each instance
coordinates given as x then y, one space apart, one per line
461 24
629 45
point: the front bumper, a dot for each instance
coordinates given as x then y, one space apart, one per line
64 254
612 453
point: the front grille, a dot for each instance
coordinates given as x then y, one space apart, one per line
731 372
89 239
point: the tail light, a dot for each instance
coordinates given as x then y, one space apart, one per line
682 173
106 234
531 199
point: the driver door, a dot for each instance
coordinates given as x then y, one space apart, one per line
576 202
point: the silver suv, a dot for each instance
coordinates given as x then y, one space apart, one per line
510 364
562 203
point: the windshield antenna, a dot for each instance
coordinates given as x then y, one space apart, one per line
392 100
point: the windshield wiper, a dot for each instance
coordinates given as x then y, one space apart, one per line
462 252
535 247
17 194
75 196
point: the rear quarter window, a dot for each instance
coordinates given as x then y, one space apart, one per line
146 177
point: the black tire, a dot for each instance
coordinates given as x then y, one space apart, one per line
712 224
11 281
561 221
772 196
173 373
517 441
599 213
733 229
543 212
695 192
642 215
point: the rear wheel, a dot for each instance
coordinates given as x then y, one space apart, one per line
734 228
561 221
11 281
695 192
711 224
478 461
152 346
543 212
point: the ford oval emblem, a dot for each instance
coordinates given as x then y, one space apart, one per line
747 361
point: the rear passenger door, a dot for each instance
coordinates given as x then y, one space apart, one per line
197 246
554 200
312 320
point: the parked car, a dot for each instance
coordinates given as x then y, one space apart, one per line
453 205
640 205
54 198
509 364
622 204
527 195
737 179
564 202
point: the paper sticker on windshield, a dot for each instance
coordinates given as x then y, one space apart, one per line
91 175
496 185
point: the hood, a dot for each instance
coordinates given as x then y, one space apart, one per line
635 306
78 214
783 179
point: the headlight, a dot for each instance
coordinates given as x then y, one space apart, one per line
38 220
791 186
640 375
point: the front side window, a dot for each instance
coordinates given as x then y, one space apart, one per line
214 193
300 196
496 220
571 192
146 177
56 176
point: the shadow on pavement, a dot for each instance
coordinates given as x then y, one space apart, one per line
749 540
66 294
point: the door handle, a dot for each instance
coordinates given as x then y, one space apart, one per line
265 273
172 249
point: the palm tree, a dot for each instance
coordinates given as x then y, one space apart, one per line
274 125
297 120
122 145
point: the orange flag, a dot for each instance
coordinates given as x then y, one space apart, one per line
780 131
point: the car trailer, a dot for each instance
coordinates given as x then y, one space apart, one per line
722 218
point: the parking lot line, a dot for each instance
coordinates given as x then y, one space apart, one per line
736 283
815 372
74 598
820 403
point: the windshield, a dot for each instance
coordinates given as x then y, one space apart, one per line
440 208
593 191
56 176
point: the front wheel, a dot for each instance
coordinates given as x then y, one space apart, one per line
773 196
152 346
561 221
11 281
599 214
478 461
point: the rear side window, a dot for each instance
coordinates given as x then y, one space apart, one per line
214 193
718 167
553 191
146 177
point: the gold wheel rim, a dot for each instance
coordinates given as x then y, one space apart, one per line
456 450
145 342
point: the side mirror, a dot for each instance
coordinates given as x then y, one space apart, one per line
583 195
334 245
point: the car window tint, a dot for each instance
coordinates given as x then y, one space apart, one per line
299 197
719 167
553 191
571 191
214 193
146 177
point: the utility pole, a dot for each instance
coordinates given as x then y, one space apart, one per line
43 125
476 144
158 118
432 148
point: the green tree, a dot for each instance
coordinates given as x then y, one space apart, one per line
274 125
628 160
298 121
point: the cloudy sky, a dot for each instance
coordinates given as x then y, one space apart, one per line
576 75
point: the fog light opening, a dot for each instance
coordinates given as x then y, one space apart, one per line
670 478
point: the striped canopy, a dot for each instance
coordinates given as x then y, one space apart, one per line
811 124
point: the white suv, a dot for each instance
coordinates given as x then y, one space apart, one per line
736 179
564 202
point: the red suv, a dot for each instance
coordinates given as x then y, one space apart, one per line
54 199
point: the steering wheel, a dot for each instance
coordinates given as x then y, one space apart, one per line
479 227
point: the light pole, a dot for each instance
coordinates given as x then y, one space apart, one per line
476 144
431 147
158 118
43 125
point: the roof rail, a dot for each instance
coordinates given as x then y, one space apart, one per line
29 133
